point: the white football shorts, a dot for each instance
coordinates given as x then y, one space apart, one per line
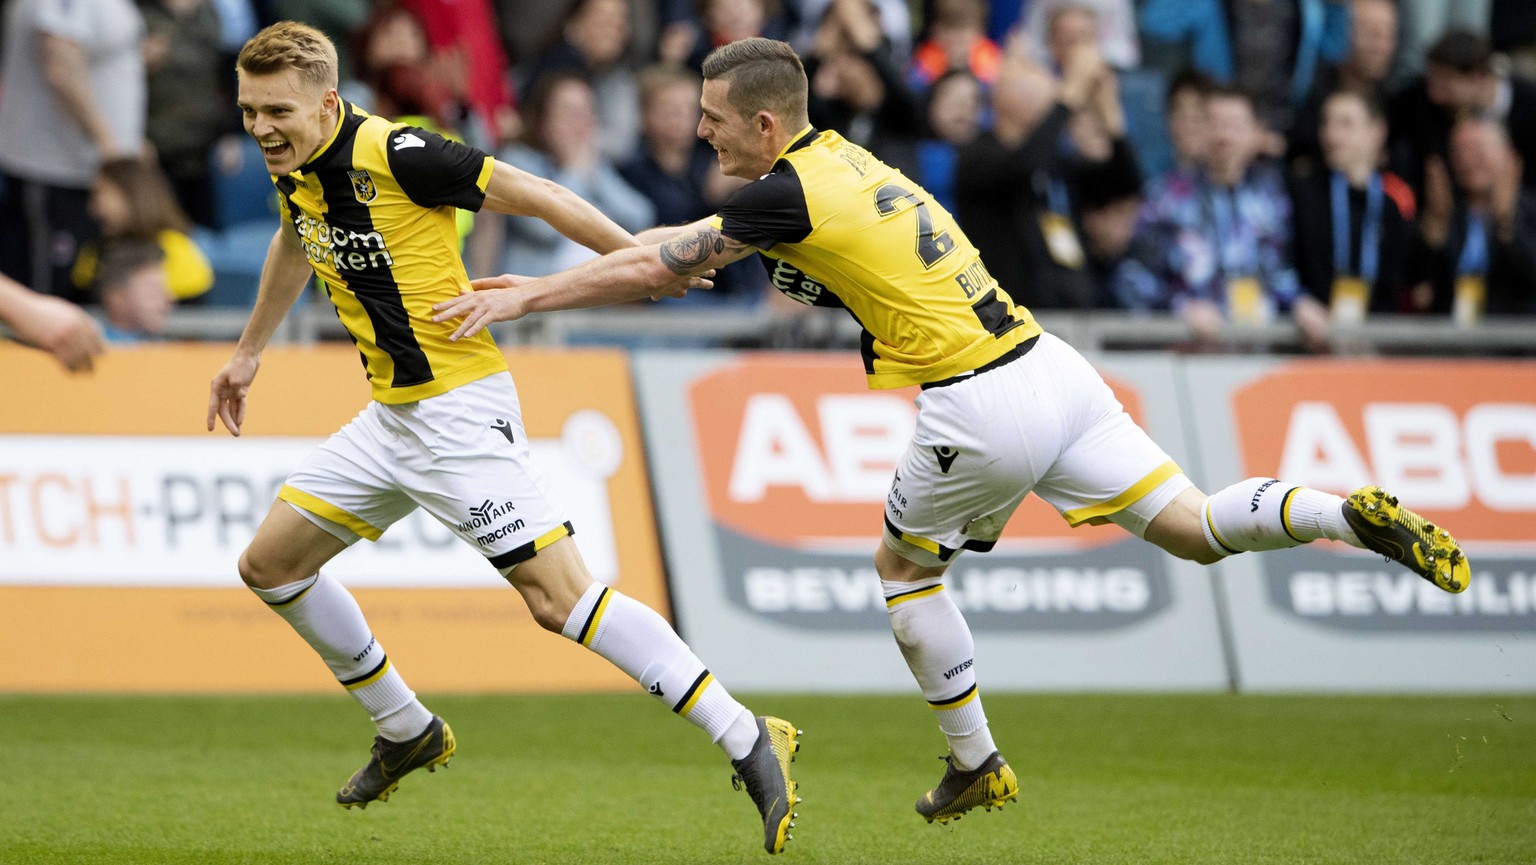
462 455
1046 422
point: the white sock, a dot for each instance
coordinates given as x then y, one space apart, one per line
1267 514
328 618
1315 514
637 640
937 644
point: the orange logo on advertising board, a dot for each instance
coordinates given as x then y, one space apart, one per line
1454 441
797 450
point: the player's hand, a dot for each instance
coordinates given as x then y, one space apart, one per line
226 395
680 286
484 305
62 329
506 280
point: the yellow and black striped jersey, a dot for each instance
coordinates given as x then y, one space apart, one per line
375 212
844 229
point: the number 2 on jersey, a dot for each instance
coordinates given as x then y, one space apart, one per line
930 247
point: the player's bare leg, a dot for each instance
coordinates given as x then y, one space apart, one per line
938 647
564 598
1266 514
282 566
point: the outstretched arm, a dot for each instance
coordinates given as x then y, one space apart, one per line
283 277
517 193
667 268
661 233
53 325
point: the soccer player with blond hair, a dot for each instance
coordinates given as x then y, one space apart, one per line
368 207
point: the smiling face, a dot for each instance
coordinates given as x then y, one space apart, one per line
742 144
289 118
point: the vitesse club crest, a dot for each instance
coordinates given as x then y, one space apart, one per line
362 186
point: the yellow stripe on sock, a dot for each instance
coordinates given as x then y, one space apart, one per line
893 603
959 701
1212 526
1100 513
709 679
377 675
322 508
597 617
1285 514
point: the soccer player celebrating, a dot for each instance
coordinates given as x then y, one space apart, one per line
368 206
1005 408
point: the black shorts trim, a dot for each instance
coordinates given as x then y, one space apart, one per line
523 553
1004 359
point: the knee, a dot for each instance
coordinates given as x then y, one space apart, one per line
547 602
1188 544
547 613
1200 554
1178 529
260 572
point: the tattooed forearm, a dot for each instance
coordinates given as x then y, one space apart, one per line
683 254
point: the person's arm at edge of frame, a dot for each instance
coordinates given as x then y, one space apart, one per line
53 325
665 268
283 278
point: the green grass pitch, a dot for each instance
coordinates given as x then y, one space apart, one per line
617 779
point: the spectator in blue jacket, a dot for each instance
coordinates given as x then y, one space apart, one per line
1214 246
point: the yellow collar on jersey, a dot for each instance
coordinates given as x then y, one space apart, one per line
803 136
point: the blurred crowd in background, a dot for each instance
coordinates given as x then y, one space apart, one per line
1229 162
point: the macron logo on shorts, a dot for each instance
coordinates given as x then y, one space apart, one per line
504 426
946 457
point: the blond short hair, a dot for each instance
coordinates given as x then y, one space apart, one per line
291 45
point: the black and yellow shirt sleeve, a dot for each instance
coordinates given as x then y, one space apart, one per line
768 212
435 171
